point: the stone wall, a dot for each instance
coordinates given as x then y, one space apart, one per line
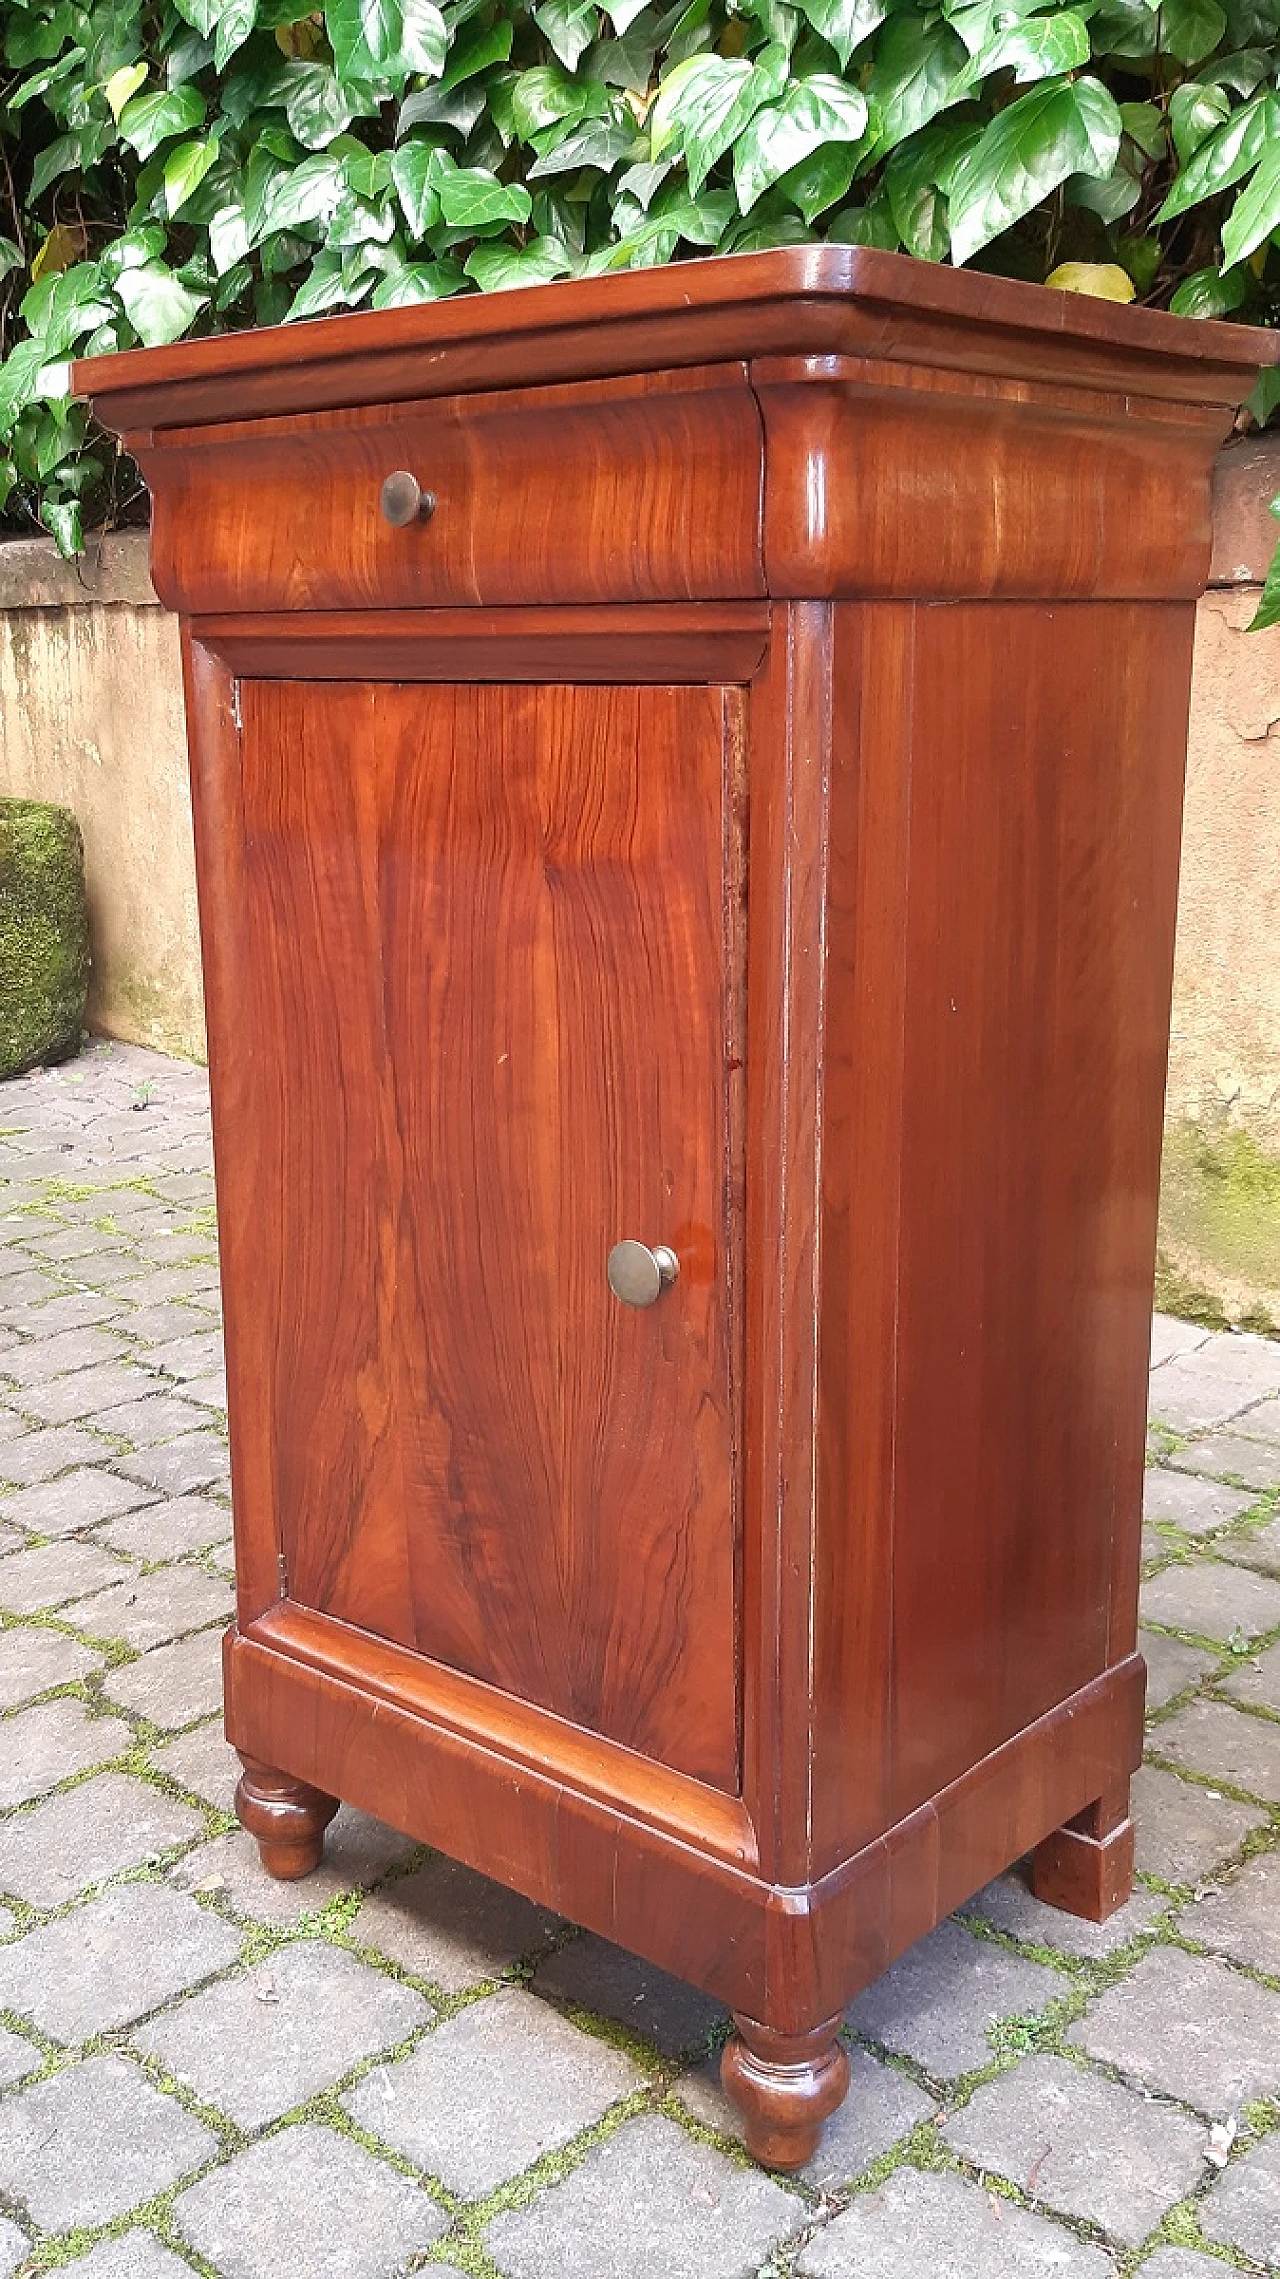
91 715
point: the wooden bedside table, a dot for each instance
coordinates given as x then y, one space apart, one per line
688 774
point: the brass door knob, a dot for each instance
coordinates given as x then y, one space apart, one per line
639 1275
404 500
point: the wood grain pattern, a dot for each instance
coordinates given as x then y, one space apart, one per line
824 933
564 493
505 995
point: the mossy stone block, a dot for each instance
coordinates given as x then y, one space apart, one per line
44 935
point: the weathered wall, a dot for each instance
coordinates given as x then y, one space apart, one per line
91 715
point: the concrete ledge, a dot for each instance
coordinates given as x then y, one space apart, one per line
1245 480
115 568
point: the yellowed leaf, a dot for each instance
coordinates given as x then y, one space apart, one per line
123 85
1105 280
301 39
64 246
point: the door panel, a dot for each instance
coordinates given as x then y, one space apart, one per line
490 1018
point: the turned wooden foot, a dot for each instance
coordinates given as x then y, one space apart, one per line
1086 1868
286 1816
785 2086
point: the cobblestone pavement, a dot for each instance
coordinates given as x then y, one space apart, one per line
398 2066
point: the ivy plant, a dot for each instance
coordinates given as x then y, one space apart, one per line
186 166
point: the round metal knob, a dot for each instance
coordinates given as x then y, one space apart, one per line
404 500
639 1275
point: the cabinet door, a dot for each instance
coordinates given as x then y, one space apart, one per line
492 986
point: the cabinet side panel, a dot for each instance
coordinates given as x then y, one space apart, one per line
1041 751
1048 747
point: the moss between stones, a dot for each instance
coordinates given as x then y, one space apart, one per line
44 935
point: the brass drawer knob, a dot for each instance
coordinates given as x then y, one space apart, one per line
639 1275
404 500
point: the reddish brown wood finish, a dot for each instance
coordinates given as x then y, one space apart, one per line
784 869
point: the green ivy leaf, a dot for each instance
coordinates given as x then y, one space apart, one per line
495 268
386 37
71 154
568 26
158 305
813 111
1040 47
546 95
62 519
320 107
1268 609
414 175
917 182
185 169
235 23
417 281
40 81
1062 127
705 104
1210 293
1195 112
471 198
1233 151
601 143
1256 211
821 180
323 289
1190 29
148 120
915 73
844 24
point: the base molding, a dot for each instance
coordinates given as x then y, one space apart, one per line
792 1955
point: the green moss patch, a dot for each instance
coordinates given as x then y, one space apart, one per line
1219 1259
44 935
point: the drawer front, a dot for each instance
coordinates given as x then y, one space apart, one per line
638 490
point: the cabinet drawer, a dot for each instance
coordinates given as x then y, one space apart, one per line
643 489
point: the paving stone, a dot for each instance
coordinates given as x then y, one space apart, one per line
88 1833
115 1270
35 1580
189 1357
160 1416
52 2138
597 1976
1212 1600
1185 1832
148 1610
937 2004
1242 1917
1170 1337
1042 2125
1262 1422
1257 1681
178 1467
490 2091
17 2059
68 1398
54 1739
1190 2026
32 1661
1011 1907
78 1499
172 1685
31 1365
1243 2209
210 1391
1210 1385
649 2200
1228 1744
75 1309
111 1961
882 2108
947 2228
1171 1666
161 1324
1230 1456
41 1455
257 2045
204 1762
1194 1505
446 1924
1182 2263
1253 1547
311 2202
27 1285
15 2247
169 1530
77 1242
135 2255
357 1852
